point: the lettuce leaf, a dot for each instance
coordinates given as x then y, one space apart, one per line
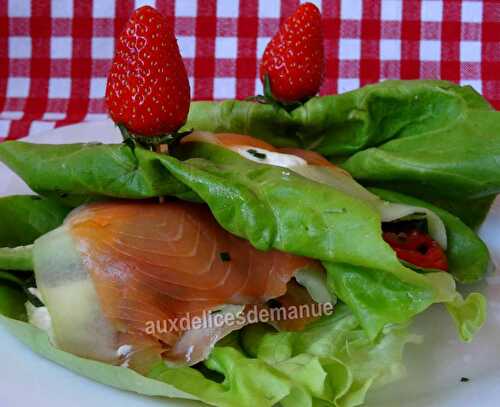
457 162
265 121
24 218
119 377
331 363
431 139
253 201
79 173
12 298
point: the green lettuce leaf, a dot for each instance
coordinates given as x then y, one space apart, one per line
379 298
469 315
252 201
24 218
119 377
342 125
246 382
431 139
468 256
78 173
331 363
458 162
12 298
265 121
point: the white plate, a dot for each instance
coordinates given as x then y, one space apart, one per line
434 368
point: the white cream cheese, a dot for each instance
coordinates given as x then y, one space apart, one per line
262 156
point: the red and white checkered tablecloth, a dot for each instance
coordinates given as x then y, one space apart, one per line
55 55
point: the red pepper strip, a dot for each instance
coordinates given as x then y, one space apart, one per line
418 248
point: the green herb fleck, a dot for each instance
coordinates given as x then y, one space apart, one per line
464 379
224 256
256 154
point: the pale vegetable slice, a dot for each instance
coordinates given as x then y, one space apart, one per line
78 322
316 285
195 344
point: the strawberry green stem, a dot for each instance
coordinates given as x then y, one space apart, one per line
150 142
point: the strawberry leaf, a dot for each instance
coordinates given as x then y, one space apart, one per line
149 142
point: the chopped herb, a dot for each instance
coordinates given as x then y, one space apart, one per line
336 210
256 154
464 379
224 256
34 300
272 303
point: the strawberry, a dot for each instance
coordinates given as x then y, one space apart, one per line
148 88
293 59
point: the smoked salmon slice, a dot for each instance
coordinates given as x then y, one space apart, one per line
227 140
162 262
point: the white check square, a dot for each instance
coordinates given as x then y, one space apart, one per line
97 88
472 11
60 47
259 88
226 47
11 115
269 8
351 9
141 3
432 10
53 116
63 9
391 10
224 88
470 51
185 8
18 87
349 48
103 47
18 8
96 116
191 85
476 84
59 88
261 45
390 50
187 46
228 8
430 50
347 84
19 47
103 9
38 126
4 131
317 3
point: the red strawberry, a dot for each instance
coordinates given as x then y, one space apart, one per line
148 88
293 60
